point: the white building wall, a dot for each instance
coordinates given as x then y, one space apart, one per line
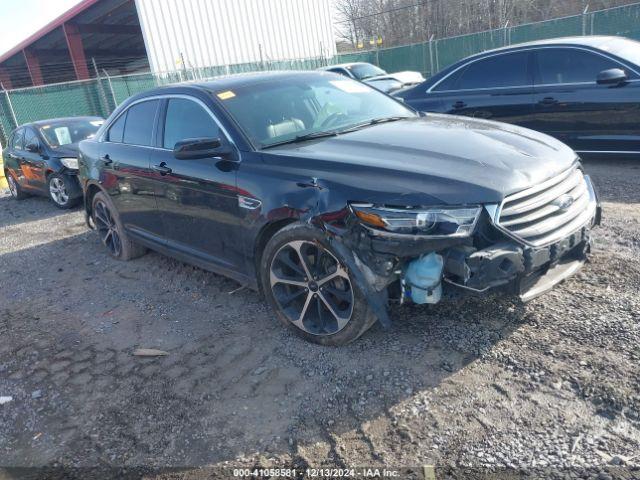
225 32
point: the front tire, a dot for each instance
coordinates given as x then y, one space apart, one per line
311 291
111 231
63 191
14 187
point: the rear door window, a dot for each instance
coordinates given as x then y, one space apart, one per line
16 142
30 137
570 65
116 132
187 119
499 71
450 82
138 129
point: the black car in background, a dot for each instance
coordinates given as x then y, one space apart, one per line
584 91
336 197
42 158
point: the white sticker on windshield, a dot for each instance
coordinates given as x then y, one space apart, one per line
63 135
349 86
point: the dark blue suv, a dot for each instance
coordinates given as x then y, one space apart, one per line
584 91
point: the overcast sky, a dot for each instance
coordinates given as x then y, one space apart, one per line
22 18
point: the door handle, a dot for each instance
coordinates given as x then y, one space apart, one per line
459 104
106 159
162 169
548 101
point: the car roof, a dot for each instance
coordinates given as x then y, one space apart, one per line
592 41
40 123
229 82
597 42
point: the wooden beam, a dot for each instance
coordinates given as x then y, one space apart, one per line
76 50
109 29
5 79
33 65
93 52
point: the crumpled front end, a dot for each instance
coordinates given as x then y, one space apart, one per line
525 246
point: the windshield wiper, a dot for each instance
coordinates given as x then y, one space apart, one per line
302 138
375 121
333 133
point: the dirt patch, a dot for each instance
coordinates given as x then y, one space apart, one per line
487 384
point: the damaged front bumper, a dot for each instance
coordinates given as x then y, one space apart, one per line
516 269
516 266
491 261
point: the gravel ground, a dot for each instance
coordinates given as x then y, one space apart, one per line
551 388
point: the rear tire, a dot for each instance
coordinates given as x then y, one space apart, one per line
64 191
323 305
111 231
15 188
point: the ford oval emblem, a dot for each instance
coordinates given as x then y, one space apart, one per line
564 202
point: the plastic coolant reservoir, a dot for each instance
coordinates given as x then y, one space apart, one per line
423 279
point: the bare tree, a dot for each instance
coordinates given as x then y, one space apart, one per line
401 22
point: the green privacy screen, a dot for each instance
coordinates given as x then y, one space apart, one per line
100 96
430 57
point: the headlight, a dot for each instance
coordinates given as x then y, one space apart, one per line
437 222
70 163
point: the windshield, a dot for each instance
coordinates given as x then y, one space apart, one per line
624 48
278 111
59 134
362 71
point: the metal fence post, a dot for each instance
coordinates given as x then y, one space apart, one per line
584 20
13 112
113 94
431 72
106 110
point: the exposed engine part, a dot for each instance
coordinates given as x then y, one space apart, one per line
378 282
422 279
479 269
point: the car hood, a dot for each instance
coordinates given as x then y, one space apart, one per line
70 150
436 158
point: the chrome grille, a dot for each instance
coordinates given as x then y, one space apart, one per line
551 210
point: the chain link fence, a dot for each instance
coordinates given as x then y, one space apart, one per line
431 57
100 96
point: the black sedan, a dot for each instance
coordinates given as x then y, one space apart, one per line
336 197
42 158
584 91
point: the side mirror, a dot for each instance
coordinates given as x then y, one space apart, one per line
613 76
195 148
33 148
